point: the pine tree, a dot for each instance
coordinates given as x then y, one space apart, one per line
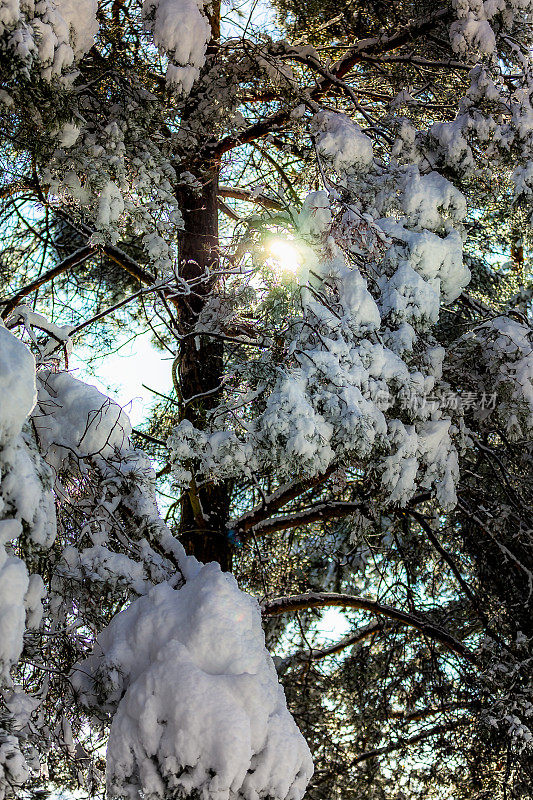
323 214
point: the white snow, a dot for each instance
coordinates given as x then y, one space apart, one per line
471 33
429 199
341 142
73 419
68 134
182 30
17 385
57 32
110 205
408 297
14 770
80 17
195 696
432 256
315 216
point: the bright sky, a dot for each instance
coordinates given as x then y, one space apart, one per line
123 373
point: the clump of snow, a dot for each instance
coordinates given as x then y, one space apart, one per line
431 255
504 347
196 701
428 200
54 33
221 453
80 18
181 30
20 705
14 770
479 22
452 145
406 296
35 594
102 565
73 419
17 385
340 141
522 178
470 33
315 216
110 206
68 135
292 429
426 451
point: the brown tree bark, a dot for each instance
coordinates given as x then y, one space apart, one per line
204 510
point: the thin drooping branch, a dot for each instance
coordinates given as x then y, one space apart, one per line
111 309
419 737
424 713
459 578
78 257
305 656
320 512
301 602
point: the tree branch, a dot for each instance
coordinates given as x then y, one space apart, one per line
304 656
300 602
236 193
419 737
275 501
321 512
78 257
366 47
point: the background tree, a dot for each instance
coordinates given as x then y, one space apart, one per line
352 434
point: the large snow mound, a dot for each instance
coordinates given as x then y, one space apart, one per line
196 700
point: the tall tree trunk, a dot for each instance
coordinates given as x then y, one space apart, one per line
204 511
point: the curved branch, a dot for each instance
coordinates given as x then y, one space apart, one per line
301 602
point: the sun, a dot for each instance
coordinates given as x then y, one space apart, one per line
285 254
